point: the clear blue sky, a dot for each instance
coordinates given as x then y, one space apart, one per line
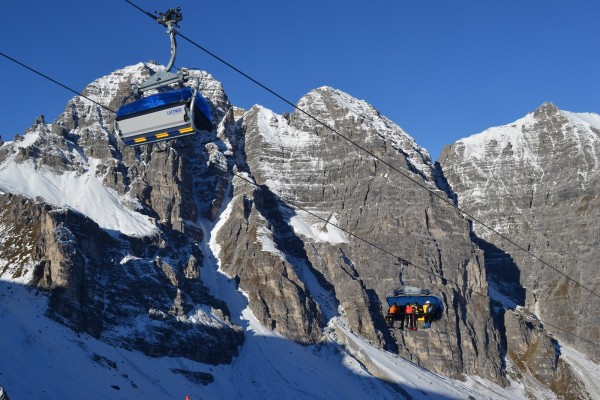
440 69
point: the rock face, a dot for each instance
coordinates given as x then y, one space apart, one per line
536 361
135 288
299 271
536 181
308 226
95 289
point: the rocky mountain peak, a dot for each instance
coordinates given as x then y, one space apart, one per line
536 180
547 109
40 120
557 120
139 205
162 249
360 122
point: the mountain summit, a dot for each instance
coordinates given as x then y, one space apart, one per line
254 261
536 181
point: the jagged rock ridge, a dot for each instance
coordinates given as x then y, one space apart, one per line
116 243
536 181
297 272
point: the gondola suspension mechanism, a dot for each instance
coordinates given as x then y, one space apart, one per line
170 113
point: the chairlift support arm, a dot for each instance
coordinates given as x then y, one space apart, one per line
403 264
169 19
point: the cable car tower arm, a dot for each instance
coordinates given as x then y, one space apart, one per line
170 20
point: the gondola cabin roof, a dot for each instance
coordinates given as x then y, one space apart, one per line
161 101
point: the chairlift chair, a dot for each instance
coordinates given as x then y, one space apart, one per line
171 113
163 116
414 295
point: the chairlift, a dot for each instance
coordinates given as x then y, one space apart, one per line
170 113
414 295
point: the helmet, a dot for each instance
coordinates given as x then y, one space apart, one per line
427 302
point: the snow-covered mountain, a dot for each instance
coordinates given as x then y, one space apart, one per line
162 271
537 181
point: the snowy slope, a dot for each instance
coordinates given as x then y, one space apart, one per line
269 366
83 192
65 364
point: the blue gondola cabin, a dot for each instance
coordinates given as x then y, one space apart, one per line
163 116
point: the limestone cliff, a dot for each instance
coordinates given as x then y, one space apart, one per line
308 176
536 182
310 229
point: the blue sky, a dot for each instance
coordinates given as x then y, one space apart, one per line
440 69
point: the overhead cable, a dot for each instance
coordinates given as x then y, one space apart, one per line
55 81
376 157
297 206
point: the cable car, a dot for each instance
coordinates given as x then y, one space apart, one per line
169 113
413 295
163 116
